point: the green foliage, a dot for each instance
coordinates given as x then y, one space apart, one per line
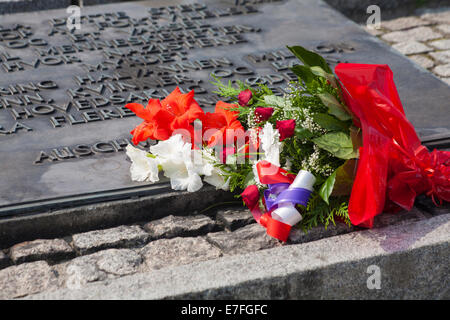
327 187
319 212
337 143
330 123
334 106
310 58
321 142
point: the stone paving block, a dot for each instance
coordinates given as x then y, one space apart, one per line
422 61
247 239
441 44
99 266
25 279
445 28
4 261
297 235
442 70
233 219
120 237
178 251
416 34
372 31
412 47
441 15
180 226
441 56
41 249
404 23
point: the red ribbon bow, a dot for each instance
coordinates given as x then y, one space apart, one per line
268 174
393 167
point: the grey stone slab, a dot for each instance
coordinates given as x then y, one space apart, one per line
179 226
416 34
234 218
404 23
25 279
412 259
425 204
41 249
177 251
83 177
99 266
412 47
446 80
382 220
119 237
247 239
14 6
4 261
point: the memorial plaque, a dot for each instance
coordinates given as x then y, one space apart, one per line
63 125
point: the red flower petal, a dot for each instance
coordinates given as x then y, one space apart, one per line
286 128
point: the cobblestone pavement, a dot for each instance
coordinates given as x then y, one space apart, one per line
101 255
424 38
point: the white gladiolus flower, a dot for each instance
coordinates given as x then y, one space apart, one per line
143 168
215 175
176 158
270 143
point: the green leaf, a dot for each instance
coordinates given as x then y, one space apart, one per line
337 143
249 179
305 73
310 58
318 71
302 133
330 123
334 106
327 187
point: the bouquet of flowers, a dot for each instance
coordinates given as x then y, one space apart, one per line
334 147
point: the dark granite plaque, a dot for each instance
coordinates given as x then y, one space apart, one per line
63 127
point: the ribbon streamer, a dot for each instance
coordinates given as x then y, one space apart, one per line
283 193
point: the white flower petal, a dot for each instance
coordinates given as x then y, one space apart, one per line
143 168
189 181
270 143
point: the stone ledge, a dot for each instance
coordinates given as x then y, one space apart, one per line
105 215
331 268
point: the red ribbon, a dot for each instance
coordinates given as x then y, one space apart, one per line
393 167
268 174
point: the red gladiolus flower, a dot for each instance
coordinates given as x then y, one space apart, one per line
244 97
263 114
224 121
250 196
286 128
161 118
